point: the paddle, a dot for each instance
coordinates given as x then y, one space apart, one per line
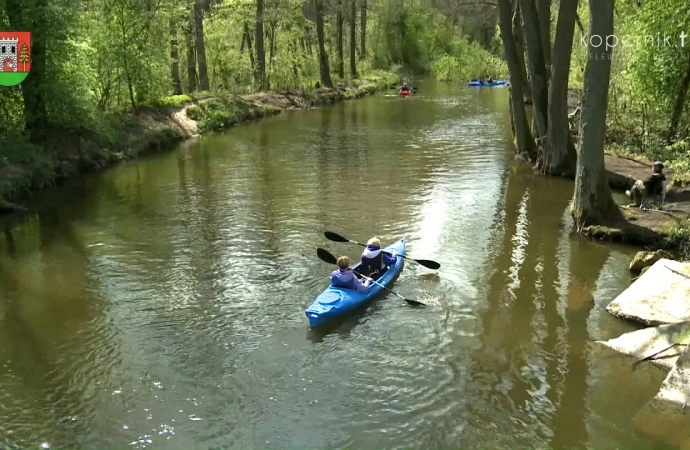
335 237
325 256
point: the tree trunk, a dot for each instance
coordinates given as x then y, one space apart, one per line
22 18
537 69
271 45
544 11
680 105
260 50
519 39
248 37
324 69
559 154
200 46
363 35
523 136
174 60
192 78
353 38
592 202
339 39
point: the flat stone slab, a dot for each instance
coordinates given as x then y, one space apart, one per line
659 296
653 340
667 415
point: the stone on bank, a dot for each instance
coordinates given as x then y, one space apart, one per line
661 295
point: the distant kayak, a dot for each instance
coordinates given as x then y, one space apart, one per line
487 84
334 302
404 93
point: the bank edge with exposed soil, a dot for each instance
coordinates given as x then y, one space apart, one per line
650 227
27 168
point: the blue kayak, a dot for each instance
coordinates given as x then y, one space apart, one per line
334 302
486 83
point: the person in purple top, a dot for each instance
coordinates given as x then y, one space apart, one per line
374 261
344 277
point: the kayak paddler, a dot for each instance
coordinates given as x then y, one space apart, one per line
374 261
344 277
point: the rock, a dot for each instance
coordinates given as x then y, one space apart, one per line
645 259
659 296
523 157
666 417
652 341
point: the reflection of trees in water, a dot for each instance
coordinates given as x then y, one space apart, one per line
587 259
521 360
51 325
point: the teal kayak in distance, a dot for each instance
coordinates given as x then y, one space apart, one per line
487 84
334 302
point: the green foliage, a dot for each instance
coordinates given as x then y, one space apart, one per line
647 77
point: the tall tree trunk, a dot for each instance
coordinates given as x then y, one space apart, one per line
192 77
592 202
324 69
363 35
260 50
174 60
559 154
353 38
537 69
519 38
523 136
250 48
339 39
544 11
680 105
271 45
23 17
200 46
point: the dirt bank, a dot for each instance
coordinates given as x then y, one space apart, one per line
651 227
28 167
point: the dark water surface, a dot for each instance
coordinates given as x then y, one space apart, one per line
161 303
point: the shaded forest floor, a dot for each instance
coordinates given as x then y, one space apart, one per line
28 167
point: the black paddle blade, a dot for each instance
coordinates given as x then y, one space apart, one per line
326 256
428 263
414 302
335 237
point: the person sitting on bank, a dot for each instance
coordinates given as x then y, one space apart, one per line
655 184
344 277
575 114
374 261
404 88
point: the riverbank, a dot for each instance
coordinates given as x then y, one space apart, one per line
649 227
27 167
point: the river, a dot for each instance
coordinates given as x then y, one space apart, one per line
161 303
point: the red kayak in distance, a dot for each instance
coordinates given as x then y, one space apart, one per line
404 93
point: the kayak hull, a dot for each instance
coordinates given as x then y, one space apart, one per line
334 302
404 93
480 83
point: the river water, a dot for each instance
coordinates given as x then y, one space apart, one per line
161 303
